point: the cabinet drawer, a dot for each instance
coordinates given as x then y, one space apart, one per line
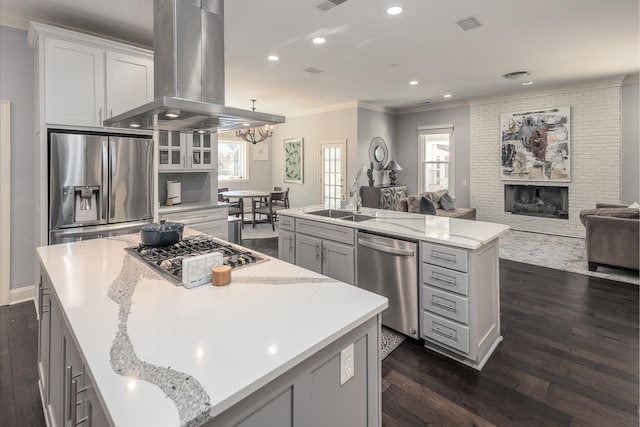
445 256
452 306
215 229
446 332
198 215
326 231
443 278
287 223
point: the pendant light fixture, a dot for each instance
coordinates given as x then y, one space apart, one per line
249 135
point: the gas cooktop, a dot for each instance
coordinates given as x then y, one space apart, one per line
169 259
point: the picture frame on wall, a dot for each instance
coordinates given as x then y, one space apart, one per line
294 160
261 152
534 145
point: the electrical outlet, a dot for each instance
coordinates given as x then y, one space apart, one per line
346 364
464 182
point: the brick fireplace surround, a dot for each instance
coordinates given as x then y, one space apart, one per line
595 156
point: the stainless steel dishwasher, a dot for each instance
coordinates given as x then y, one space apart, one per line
388 266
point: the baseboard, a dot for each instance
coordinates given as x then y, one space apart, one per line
21 294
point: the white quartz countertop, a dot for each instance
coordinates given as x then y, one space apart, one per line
186 207
468 234
188 354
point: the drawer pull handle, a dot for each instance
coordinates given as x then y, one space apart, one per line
443 256
444 334
70 392
444 279
443 306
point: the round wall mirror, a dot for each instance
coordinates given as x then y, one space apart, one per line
378 153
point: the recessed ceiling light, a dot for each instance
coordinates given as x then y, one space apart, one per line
273 58
394 10
172 115
447 95
246 124
413 82
201 131
527 83
516 75
319 40
134 125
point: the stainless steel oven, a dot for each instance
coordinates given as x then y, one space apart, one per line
388 266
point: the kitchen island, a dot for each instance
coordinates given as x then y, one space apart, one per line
440 274
132 348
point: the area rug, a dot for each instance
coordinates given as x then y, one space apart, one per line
389 341
263 230
558 252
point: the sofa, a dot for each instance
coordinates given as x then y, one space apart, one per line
412 204
612 236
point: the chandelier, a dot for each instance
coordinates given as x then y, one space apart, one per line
249 135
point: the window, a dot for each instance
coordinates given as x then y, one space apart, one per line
436 154
232 161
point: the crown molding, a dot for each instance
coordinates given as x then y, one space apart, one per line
14 20
433 107
631 79
327 109
379 108
552 90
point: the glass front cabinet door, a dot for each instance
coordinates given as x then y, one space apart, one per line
202 151
171 149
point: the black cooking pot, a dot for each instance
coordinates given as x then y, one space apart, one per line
163 234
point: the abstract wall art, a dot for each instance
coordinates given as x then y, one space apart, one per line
293 160
534 145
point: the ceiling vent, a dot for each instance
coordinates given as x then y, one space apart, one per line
424 102
515 75
312 70
329 4
469 23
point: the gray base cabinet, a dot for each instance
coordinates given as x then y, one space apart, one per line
460 301
287 246
324 248
311 395
67 391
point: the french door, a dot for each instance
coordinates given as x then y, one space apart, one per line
333 171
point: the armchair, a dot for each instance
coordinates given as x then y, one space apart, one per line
612 236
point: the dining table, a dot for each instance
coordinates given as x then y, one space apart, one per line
249 194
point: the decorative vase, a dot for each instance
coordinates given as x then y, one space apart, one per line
393 175
371 183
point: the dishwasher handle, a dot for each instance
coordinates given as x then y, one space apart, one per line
385 248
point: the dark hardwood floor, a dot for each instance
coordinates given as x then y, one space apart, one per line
569 357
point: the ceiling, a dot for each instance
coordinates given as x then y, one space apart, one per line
371 57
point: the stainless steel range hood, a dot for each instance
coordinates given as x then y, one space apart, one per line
188 38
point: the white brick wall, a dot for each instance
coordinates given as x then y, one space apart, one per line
595 157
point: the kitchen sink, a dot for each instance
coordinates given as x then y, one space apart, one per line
338 214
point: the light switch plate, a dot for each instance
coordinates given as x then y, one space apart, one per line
346 364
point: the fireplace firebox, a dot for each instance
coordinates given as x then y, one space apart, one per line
537 200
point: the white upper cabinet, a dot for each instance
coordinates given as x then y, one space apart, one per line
88 79
187 152
129 82
74 84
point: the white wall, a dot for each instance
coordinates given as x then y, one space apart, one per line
594 154
407 147
329 126
630 143
17 86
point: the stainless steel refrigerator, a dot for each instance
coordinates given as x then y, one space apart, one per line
99 185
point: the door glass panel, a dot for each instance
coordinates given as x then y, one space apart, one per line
175 139
164 157
196 140
196 158
207 141
175 157
207 158
163 139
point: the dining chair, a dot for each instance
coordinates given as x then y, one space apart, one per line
235 208
286 197
274 203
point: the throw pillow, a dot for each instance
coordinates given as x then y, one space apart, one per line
446 202
427 206
413 204
436 195
635 205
